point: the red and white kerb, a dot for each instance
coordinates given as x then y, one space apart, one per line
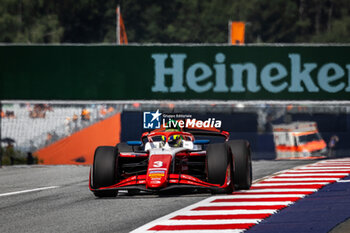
244 209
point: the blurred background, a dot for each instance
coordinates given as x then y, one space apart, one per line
67 132
178 21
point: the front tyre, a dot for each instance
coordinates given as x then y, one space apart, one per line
218 160
240 150
104 170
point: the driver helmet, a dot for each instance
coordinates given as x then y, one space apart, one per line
169 130
175 141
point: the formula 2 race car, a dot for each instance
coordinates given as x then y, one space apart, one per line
172 159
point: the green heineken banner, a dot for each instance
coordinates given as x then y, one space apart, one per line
100 72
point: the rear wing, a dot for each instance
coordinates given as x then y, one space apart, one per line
197 132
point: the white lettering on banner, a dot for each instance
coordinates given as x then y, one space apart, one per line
220 78
348 88
299 76
176 71
274 77
192 79
267 79
324 79
237 76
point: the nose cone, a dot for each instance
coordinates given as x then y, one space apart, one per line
157 172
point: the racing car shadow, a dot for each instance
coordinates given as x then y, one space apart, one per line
164 194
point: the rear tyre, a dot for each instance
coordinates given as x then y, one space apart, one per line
218 160
104 172
242 161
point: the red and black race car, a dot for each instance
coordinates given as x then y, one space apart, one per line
173 159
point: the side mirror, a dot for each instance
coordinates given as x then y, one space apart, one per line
201 142
134 143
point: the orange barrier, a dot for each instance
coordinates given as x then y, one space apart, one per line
237 31
79 148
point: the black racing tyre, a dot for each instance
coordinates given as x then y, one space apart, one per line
124 147
217 161
104 172
109 193
242 161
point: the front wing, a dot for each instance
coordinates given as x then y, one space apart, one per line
175 181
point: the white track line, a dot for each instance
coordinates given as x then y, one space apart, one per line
197 231
286 184
313 174
324 167
279 190
27 191
250 203
344 181
320 170
334 163
225 212
208 222
303 179
261 196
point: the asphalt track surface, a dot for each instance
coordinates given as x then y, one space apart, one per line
57 199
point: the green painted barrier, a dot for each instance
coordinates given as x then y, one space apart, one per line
102 72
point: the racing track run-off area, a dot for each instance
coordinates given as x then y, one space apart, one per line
271 205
